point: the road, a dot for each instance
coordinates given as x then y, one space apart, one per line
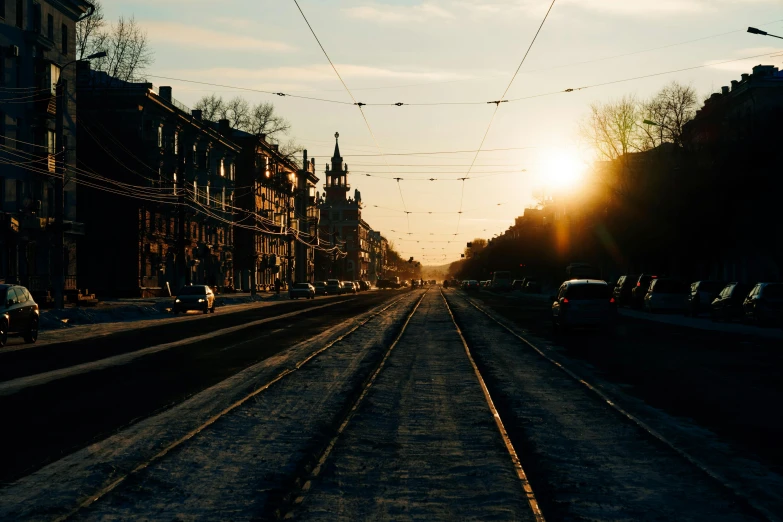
409 405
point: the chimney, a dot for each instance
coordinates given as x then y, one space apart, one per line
165 93
734 84
724 90
197 114
304 158
224 127
745 76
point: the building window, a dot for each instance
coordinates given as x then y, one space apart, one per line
65 39
20 13
222 168
50 142
207 195
195 191
176 142
160 137
37 18
50 27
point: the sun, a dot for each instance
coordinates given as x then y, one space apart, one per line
563 170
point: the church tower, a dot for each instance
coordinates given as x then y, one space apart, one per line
337 177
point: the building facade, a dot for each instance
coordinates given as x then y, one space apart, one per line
341 225
37 39
158 211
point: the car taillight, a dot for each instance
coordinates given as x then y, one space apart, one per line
565 300
638 284
611 300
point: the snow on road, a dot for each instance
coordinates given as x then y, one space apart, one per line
423 444
229 470
586 461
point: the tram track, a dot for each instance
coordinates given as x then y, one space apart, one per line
742 497
192 434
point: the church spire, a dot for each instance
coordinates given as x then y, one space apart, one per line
336 155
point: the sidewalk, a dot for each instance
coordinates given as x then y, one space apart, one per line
119 315
704 323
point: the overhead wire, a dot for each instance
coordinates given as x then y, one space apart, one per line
358 104
497 107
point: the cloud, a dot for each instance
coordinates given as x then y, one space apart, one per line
424 12
658 7
317 73
182 35
746 66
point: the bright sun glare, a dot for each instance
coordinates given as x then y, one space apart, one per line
563 170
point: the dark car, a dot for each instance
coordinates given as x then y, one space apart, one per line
622 290
303 290
640 290
349 288
333 287
364 285
518 284
764 304
472 285
18 314
728 305
194 297
583 303
665 295
700 296
320 288
532 286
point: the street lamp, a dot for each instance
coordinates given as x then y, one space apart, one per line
59 208
753 30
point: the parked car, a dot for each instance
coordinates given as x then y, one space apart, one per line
194 297
19 314
348 288
303 290
365 285
472 285
664 295
532 286
334 287
622 290
700 296
640 290
583 302
518 284
764 304
728 305
320 288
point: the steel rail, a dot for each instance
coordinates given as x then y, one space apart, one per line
741 495
531 498
212 420
351 412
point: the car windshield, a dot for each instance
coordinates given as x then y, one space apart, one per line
667 286
320 283
773 291
588 291
193 290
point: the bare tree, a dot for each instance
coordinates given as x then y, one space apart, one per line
264 121
670 109
237 112
612 128
211 107
89 32
127 48
292 150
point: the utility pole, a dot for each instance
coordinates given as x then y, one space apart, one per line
58 280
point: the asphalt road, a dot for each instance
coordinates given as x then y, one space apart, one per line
64 415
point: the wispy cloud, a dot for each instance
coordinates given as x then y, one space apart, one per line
318 73
182 35
384 13
746 66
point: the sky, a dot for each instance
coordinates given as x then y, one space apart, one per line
449 52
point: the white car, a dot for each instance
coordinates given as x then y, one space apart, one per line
583 303
665 295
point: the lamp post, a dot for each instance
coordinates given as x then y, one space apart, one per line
753 30
58 281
